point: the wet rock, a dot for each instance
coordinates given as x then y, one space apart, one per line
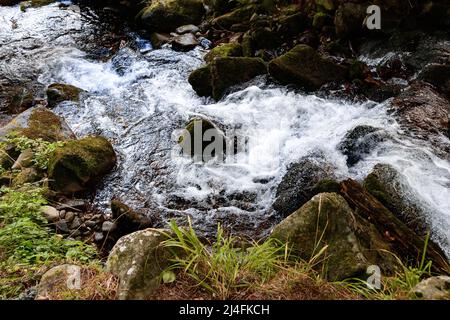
39 122
80 164
193 142
423 111
304 67
224 50
327 220
128 220
18 99
205 43
434 288
391 189
239 15
58 92
360 141
223 73
200 80
184 42
231 71
24 160
50 213
189 28
158 39
167 15
297 185
438 75
138 260
63 276
349 18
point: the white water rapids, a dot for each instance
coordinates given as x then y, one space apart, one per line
137 100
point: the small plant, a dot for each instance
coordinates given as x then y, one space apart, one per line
221 267
42 150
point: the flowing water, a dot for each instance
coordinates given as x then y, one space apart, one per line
137 100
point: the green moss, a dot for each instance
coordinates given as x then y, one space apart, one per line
200 81
240 15
80 164
42 124
326 4
231 71
58 92
326 185
224 50
320 20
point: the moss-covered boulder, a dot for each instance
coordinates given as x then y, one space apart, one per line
58 92
167 15
18 99
224 50
138 260
223 73
237 16
200 80
390 187
80 164
39 122
26 175
231 71
352 244
304 67
199 138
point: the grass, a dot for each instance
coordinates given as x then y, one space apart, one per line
27 245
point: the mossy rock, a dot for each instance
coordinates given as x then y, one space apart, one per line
167 15
327 220
80 164
237 16
200 80
390 187
231 71
304 67
194 144
34 4
358 70
325 4
320 20
348 20
138 260
292 24
58 92
38 122
224 50
26 175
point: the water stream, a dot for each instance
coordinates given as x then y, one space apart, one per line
137 100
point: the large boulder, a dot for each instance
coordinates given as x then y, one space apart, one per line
224 50
138 260
360 141
390 187
167 15
216 78
304 67
39 122
58 92
298 184
434 288
327 220
80 164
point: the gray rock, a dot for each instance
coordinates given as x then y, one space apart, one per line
184 42
50 213
434 288
108 226
188 28
138 260
98 236
63 276
76 223
70 216
61 225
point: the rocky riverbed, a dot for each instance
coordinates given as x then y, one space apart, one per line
329 110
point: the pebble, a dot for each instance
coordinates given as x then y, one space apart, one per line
61 225
205 43
70 216
76 223
189 28
98 236
50 213
62 214
108 226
